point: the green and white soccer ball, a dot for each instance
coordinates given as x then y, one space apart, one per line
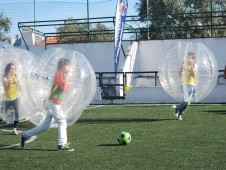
124 138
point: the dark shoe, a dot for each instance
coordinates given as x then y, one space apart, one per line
64 148
22 140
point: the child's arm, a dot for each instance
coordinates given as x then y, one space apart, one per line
181 69
194 70
7 84
18 83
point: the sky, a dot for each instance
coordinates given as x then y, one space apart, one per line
42 10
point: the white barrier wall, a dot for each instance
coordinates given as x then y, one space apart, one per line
149 55
157 95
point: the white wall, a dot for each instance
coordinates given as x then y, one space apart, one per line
100 55
149 55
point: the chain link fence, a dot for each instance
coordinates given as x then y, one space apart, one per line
42 10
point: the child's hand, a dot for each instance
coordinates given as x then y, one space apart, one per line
9 81
70 80
66 76
182 65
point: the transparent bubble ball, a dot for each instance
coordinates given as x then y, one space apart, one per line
206 66
22 60
81 90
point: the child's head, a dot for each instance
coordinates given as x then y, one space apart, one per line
63 65
191 57
10 69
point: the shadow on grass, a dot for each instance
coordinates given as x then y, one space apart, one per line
24 149
216 111
110 145
119 120
43 150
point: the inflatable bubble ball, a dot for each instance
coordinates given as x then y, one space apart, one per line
81 84
21 60
174 72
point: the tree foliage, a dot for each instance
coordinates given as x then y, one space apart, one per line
5 25
169 19
101 33
75 31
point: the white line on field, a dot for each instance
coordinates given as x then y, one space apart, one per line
94 107
6 130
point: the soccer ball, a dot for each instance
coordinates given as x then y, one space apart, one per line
124 138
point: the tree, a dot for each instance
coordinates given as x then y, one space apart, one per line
101 33
5 25
75 31
170 19
72 31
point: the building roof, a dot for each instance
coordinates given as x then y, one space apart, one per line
51 40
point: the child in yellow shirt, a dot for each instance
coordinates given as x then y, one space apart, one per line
11 93
188 75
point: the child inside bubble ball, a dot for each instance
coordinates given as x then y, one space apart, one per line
11 93
187 74
53 107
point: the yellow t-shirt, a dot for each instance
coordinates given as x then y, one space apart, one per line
13 91
188 77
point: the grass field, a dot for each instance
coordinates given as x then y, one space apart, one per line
159 141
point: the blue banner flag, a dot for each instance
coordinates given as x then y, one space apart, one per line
120 18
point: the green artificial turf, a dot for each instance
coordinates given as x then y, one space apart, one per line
159 140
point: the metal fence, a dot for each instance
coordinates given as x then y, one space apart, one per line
135 29
110 86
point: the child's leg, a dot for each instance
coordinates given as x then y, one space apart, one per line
62 132
182 107
62 124
44 126
7 104
15 104
187 95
